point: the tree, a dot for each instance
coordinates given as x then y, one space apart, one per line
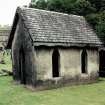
55 5
83 7
40 4
100 26
98 4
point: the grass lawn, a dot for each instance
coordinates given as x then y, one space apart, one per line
11 94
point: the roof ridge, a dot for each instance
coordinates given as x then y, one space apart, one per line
61 13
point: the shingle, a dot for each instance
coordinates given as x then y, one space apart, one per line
57 28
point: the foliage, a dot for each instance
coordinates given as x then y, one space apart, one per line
41 4
100 27
55 5
7 59
98 22
93 19
83 7
98 4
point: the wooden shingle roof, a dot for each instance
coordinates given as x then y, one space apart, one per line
58 29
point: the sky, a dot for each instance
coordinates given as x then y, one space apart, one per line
8 8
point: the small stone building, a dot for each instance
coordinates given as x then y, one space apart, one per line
4 33
51 49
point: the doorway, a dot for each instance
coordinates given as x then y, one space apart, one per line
84 61
102 63
55 63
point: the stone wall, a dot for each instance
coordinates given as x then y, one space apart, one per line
70 66
22 41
